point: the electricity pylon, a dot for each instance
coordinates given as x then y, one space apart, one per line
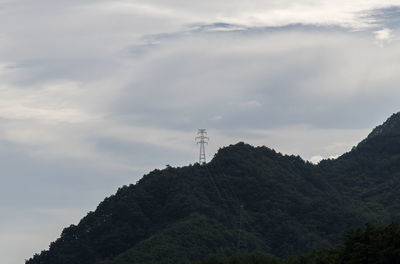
202 139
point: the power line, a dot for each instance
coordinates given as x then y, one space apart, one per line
241 243
214 183
242 222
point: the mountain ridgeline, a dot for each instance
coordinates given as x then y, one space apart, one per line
247 199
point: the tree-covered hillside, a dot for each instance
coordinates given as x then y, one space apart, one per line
246 199
371 245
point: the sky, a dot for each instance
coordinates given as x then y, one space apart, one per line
94 94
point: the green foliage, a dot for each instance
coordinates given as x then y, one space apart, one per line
290 206
182 242
373 245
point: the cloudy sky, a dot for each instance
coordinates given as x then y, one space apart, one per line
93 94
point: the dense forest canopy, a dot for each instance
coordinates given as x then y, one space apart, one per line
371 245
247 199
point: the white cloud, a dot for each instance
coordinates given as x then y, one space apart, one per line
383 36
307 141
318 158
53 102
256 13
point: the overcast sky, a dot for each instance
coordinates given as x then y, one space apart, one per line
93 94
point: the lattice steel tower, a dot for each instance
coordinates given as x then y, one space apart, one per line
202 139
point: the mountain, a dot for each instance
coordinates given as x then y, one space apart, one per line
246 199
372 245
390 127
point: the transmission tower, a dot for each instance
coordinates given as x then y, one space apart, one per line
202 139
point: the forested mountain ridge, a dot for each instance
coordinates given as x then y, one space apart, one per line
285 206
370 245
390 126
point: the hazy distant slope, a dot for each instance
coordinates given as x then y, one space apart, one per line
288 206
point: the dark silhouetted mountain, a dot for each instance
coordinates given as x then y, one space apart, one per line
390 127
373 245
246 199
